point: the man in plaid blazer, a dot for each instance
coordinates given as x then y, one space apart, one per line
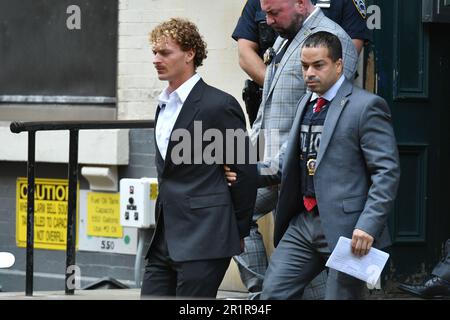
294 20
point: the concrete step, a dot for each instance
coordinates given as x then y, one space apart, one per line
102 294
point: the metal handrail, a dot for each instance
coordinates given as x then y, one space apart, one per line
73 127
17 127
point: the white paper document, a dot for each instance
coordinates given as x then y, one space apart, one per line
366 268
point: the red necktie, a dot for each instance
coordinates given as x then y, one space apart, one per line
311 202
320 103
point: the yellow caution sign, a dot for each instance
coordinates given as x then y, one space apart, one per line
50 213
153 191
103 213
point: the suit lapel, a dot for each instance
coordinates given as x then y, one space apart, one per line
269 71
291 151
296 125
159 159
187 114
335 109
292 47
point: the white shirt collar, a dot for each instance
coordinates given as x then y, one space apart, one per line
332 92
312 13
182 92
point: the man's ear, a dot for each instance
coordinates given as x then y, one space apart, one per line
300 5
340 66
190 55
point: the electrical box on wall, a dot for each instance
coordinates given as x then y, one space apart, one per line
138 202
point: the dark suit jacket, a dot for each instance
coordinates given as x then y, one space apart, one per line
203 217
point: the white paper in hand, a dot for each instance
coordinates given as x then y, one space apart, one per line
366 268
6 259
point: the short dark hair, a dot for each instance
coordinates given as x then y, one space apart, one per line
327 40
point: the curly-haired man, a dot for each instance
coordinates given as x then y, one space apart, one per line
201 221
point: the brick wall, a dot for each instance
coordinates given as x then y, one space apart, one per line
138 86
142 155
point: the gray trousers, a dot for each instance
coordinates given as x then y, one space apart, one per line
299 257
252 263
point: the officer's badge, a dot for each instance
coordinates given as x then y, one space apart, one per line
268 56
311 165
361 7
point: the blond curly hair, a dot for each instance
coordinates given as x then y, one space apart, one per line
185 34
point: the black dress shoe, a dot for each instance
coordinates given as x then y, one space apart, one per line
434 288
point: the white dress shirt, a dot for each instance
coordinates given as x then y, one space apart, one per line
170 105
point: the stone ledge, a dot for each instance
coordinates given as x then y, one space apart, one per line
96 147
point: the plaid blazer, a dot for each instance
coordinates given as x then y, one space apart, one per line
283 90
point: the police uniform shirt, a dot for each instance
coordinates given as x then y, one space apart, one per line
349 14
247 25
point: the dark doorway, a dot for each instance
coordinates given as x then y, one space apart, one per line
413 76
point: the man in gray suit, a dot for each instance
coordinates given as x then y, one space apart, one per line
294 20
340 173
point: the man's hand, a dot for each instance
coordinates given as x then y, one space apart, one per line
361 242
230 175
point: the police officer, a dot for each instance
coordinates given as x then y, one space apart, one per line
351 16
254 37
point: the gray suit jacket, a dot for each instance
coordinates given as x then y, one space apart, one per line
283 90
357 172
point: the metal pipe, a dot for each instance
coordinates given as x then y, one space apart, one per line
74 127
72 210
30 213
17 127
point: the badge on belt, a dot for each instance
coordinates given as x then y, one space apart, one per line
311 165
